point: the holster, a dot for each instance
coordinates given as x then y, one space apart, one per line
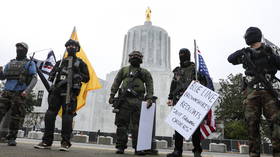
116 105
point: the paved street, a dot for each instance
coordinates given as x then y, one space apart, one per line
25 149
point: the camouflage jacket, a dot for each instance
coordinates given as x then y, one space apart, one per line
183 76
138 79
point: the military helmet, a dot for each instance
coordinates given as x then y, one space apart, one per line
253 35
23 44
73 42
135 54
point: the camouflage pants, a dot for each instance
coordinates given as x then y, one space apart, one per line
16 104
127 118
260 102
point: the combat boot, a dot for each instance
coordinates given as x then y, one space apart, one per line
12 142
151 152
139 152
120 151
43 145
175 153
276 154
254 155
64 146
197 154
3 140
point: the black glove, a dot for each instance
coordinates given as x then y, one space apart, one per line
149 103
111 99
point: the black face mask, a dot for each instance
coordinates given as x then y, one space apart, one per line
71 51
21 54
135 62
184 58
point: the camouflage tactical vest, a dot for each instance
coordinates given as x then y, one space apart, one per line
16 70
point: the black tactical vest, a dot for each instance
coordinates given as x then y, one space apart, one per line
183 76
260 59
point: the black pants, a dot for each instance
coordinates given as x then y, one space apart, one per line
195 140
56 101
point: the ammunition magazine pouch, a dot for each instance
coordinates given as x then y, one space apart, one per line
255 83
16 71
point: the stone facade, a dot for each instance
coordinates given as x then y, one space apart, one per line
97 115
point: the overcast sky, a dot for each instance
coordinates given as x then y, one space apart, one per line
217 25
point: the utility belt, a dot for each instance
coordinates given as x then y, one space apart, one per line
11 94
254 83
130 93
21 79
13 77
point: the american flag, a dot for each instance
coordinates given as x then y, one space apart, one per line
44 68
206 128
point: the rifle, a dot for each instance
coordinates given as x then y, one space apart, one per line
259 75
23 76
69 81
124 92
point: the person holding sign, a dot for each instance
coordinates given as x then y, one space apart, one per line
135 82
261 64
183 76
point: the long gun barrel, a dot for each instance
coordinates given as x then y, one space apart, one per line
69 80
260 76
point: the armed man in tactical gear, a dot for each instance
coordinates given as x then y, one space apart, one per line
261 64
136 82
183 76
21 76
67 77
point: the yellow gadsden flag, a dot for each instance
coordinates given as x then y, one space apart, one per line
93 82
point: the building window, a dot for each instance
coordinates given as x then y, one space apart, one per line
40 97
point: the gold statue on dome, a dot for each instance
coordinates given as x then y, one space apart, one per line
148 14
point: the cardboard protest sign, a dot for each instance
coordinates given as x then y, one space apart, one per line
191 109
144 141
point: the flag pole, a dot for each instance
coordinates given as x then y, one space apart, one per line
39 51
195 59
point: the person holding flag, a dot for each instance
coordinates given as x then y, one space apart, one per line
67 77
183 76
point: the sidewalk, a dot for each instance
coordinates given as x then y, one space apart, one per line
25 149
